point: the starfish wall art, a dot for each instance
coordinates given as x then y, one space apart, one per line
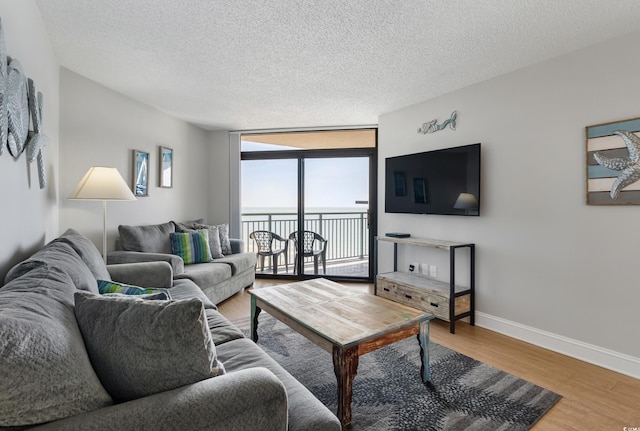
613 163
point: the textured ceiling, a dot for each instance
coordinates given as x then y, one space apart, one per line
250 64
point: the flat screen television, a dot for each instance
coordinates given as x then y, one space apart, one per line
443 181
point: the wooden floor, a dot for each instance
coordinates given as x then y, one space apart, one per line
593 398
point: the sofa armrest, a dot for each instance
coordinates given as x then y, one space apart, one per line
251 399
115 257
237 245
143 274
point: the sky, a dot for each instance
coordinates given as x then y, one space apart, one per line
329 183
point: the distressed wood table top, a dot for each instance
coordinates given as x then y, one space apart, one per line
343 315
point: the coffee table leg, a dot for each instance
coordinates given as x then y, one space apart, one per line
255 312
345 365
423 339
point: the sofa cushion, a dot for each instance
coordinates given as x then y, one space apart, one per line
221 329
59 255
187 289
239 261
107 287
206 274
147 238
140 348
186 226
87 252
306 412
45 372
192 247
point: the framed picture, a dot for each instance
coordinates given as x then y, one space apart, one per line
165 170
140 173
613 172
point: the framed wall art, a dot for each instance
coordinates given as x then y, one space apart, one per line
613 163
165 170
140 173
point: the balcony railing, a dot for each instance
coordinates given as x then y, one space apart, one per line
346 232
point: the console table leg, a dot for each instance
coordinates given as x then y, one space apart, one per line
423 339
255 312
345 365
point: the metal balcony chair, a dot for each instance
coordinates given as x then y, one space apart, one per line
265 243
313 245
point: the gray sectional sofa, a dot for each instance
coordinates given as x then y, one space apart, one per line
51 378
219 279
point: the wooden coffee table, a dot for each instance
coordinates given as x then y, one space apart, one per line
344 321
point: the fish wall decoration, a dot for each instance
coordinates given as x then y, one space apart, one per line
433 126
20 106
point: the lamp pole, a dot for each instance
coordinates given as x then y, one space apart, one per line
104 231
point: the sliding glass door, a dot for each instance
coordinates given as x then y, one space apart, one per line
336 216
309 206
269 211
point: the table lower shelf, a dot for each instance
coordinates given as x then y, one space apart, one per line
426 294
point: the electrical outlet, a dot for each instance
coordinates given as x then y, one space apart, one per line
413 268
424 268
433 271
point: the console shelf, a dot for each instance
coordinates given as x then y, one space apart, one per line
445 300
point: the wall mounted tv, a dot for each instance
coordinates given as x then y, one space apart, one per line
443 181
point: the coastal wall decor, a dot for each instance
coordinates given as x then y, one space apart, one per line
20 106
37 139
140 173
433 126
165 170
4 121
613 163
17 108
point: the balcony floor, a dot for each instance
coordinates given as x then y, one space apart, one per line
340 268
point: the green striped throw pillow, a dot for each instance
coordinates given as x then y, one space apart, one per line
113 287
192 247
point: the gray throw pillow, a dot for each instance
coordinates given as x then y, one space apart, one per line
153 238
140 348
214 240
225 243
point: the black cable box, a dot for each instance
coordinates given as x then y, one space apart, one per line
398 235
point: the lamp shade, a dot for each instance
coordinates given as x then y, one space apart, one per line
466 201
102 183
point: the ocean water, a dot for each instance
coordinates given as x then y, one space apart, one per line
311 210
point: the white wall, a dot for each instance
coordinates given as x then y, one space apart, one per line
100 127
218 177
29 215
550 269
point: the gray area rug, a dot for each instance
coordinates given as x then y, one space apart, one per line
388 393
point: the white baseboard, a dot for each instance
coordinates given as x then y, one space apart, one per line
602 357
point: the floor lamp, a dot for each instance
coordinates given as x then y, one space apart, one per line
103 184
